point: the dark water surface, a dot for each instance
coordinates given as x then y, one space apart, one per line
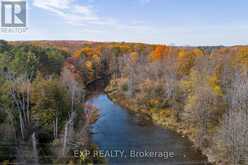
125 139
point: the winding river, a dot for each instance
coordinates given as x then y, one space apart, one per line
123 138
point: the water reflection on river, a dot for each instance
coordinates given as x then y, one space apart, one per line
127 140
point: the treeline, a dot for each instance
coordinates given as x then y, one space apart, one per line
199 92
41 106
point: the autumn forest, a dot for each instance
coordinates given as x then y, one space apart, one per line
198 92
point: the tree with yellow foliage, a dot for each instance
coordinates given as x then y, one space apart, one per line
186 59
242 56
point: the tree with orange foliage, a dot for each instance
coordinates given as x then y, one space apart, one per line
159 52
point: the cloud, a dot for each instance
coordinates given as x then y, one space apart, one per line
72 12
85 16
58 4
11 0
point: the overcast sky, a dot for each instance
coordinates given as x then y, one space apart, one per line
179 22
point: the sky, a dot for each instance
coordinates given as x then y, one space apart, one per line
172 22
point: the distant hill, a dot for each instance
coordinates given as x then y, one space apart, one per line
69 46
73 45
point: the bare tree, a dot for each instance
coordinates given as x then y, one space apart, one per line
235 124
20 92
69 129
75 90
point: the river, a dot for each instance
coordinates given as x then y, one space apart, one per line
124 139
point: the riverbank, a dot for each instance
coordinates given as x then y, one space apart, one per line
165 118
92 115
